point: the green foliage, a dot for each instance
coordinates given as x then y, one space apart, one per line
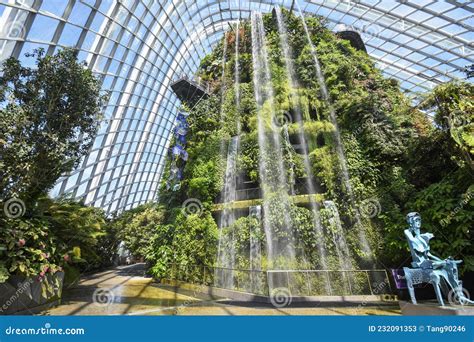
195 239
162 253
48 120
59 232
450 220
137 227
49 117
453 106
78 226
249 157
244 230
395 156
205 171
31 248
191 240
4 273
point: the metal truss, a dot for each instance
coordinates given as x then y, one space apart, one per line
138 47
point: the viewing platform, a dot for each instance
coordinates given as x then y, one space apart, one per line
190 90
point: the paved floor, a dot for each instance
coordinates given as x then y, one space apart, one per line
126 290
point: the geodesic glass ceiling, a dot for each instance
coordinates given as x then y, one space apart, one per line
139 47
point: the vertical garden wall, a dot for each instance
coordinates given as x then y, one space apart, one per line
305 156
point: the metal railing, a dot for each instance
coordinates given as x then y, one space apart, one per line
243 280
248 194
197 81
331 282
300 283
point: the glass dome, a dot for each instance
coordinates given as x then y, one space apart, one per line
139 47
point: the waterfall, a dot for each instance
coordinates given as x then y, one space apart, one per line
226 255
339 239
255 254
237 76
293 85
338 236
226 252
276 202
291 163
223 275
255 251
339 147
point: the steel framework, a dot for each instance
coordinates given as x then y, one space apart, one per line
139 47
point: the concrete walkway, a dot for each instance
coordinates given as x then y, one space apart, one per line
126 290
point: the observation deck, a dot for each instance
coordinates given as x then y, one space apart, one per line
190 90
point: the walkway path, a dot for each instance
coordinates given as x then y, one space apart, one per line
126 290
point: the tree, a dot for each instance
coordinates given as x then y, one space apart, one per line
137 227
49 116
453 107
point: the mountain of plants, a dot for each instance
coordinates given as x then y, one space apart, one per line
403 154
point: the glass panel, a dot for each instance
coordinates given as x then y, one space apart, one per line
55 7
43 29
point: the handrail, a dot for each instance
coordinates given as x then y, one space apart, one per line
196 80
347 280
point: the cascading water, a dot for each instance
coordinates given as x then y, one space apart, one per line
226 254
338 238
283 249
290 163
226 251
293 85
255 253
277 222
339 147
237 75
224 276
255 256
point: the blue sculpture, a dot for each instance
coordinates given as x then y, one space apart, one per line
428 268
177 153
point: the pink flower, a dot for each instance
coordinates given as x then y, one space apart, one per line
66 257
42 273
45 255
21 242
